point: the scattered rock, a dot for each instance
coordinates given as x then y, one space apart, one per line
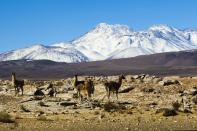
148 89
41 103
101 116
187 111
176 105
194 100
169 112
24 108
193 91
186 103
167 82
126 90
75 96
96 112
39 92
110 107
67 103
156 80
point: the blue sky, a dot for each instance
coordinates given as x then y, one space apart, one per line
27 22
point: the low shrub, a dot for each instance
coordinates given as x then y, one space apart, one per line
23 108
41 103
6 118
176 106
109 106
169 112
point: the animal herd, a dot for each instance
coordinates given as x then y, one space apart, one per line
84 88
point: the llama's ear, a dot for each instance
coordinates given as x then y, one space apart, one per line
123 76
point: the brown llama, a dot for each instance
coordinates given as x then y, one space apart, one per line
52 90
18 84
84 88
89 85
113 86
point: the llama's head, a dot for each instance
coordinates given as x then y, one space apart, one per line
122 77
13 74
50 86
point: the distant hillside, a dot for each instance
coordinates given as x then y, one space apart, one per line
172 63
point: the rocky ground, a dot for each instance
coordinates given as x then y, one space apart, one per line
145 103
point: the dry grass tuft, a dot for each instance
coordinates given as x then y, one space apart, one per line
110 107
169 112
6 118
176 106
24 109
41 103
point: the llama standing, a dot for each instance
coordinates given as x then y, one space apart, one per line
84 88
18 84
113 86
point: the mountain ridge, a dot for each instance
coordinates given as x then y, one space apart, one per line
181 63
110 42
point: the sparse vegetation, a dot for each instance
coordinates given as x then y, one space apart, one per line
169 112
176 106
136 100
40 112
42 118
110 107
194 99
24 109
6 118
38 97
96 112
41 103
148 89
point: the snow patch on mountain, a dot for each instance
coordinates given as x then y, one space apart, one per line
110 42
40 52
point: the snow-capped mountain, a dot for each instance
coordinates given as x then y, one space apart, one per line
38 52
111 42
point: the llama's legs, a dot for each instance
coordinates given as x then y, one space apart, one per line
22 90
108 95
55 93
15 90
89 94
80 96
117 95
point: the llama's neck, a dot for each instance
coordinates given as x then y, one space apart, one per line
120 81
75 81
13 79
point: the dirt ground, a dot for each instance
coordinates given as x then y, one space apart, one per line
137 109
110 122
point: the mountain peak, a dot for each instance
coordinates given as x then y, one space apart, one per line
112 28
161 27
110 41
102 25
38 46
